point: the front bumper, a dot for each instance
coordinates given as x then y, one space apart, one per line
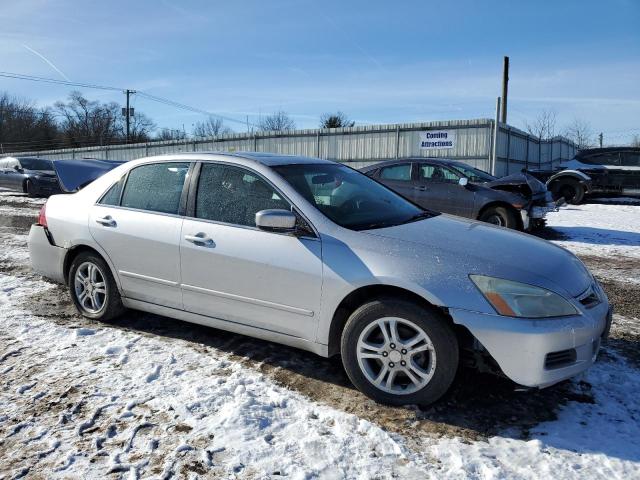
46 258
522 347
539 211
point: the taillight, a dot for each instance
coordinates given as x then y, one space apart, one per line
42 218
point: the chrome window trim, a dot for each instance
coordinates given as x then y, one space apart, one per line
194 194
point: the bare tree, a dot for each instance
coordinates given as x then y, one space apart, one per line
335 120
544 125
278 121
25 127
580 132
171 134
89 122
211 127
140 128
635 141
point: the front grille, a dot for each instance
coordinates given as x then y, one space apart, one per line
560 359
589 298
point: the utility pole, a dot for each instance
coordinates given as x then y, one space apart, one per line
494 152
128 112
600 138
505 88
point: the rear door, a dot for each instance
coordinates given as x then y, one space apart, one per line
138 223
398 177
239 273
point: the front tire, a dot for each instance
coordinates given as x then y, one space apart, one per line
28 189
500 216
93 288
397 352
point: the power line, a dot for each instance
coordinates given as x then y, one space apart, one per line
33 78
165 101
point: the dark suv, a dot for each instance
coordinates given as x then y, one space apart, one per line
595 171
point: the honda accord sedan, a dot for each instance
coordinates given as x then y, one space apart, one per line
316 255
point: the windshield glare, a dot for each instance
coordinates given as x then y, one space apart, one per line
350 198
35 164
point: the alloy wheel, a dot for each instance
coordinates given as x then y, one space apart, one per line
90 287
396 355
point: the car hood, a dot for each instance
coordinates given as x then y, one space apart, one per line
455 248
75 174
518 179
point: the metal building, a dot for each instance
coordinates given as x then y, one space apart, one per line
470 141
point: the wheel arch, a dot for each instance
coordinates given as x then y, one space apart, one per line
360 296
76 250
502 203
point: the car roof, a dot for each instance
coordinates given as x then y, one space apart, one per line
443 161
587 152
267 159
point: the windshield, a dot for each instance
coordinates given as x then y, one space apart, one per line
350 198
35 164
473 174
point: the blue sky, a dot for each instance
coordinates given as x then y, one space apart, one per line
379 62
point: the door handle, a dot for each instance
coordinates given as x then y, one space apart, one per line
199 239
421 188
106 221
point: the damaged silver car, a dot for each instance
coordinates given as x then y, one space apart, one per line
517 201
313 254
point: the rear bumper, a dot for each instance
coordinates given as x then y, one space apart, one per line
46 258
522 347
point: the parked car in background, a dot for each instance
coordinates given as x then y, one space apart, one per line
39 177
33 176
517 201
313 254
595 171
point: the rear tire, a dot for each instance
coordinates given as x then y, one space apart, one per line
93 289
413 362
500 216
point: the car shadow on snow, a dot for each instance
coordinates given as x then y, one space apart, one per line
591 235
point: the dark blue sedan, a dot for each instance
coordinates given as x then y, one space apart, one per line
33 176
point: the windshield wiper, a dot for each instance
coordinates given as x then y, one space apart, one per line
420 216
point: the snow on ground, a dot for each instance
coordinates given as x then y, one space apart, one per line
81 399
598 229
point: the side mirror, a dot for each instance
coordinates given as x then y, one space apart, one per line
463 182
17 168
276 220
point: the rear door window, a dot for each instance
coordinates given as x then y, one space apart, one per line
156 187
400 172
234 195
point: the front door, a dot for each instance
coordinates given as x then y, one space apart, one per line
439 187
233 271
139 228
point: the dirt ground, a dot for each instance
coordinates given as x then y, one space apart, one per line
477 406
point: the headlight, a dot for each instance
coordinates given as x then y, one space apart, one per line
515 299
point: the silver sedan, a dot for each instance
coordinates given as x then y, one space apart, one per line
316 255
